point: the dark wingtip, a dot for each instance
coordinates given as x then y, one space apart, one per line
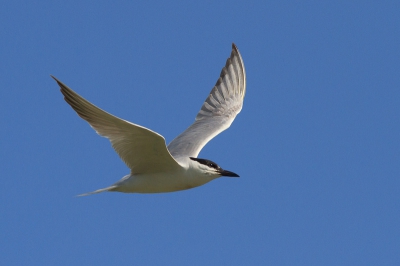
234 47
58 82
62 85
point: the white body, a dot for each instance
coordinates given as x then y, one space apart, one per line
187 177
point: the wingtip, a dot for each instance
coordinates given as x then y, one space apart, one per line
58 82
235 51
234 48
62 86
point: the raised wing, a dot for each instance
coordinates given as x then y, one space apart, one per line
142 150
218 111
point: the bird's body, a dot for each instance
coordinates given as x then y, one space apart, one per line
186 177
155 167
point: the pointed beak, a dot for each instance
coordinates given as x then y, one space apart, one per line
228 173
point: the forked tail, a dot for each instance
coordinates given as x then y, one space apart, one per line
110 188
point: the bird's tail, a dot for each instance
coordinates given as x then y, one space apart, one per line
110 188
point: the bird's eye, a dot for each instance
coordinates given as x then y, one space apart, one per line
213 165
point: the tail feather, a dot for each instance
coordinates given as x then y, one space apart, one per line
110 188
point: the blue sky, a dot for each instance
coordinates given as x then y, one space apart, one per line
316 144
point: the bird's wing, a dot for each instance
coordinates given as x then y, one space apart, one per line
142 150
218 111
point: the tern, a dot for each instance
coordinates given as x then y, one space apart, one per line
156 167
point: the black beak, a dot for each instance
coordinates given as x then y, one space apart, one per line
228 173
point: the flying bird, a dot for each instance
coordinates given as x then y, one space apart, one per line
156 167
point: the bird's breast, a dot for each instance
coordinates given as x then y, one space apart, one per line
161 182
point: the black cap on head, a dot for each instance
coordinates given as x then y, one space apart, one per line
218 169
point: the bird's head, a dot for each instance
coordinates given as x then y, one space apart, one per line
211 168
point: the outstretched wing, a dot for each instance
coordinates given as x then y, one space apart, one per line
142 150
218 111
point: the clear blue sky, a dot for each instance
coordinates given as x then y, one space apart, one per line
316 144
